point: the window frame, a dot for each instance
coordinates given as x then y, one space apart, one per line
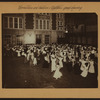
42 24
13 18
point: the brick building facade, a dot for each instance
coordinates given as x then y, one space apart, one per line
47 28
32 28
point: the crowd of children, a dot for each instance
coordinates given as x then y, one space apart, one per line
83 59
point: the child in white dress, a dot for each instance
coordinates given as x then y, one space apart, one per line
60 62
28 55
31 59
18 53
57 73
82 64
85 70
64 57
91 69
35 60
53 63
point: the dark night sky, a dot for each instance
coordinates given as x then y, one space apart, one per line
81 18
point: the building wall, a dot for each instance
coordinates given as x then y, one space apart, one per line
15 36
12 30
82 28
54 37
44 28
29 32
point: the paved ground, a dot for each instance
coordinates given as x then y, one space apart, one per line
16 74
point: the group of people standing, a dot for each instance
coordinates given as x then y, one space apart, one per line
81 59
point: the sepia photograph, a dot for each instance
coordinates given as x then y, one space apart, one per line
49 50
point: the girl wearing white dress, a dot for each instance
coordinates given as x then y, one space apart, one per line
82 54
35 61
53 63
28 55
87 55
61 53
91 69
82 64
31 59
23 53
64 57
57 73
60 62
18 53
85 70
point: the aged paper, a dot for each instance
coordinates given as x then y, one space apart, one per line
48 7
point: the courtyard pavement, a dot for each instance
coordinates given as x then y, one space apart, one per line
17 74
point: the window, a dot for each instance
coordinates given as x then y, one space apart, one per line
47 24
38 38
36 24
60 28
60 15
10 22
46 39
20 22
19 40
44 25
7 39
13 22
60 23
40 24
6 22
